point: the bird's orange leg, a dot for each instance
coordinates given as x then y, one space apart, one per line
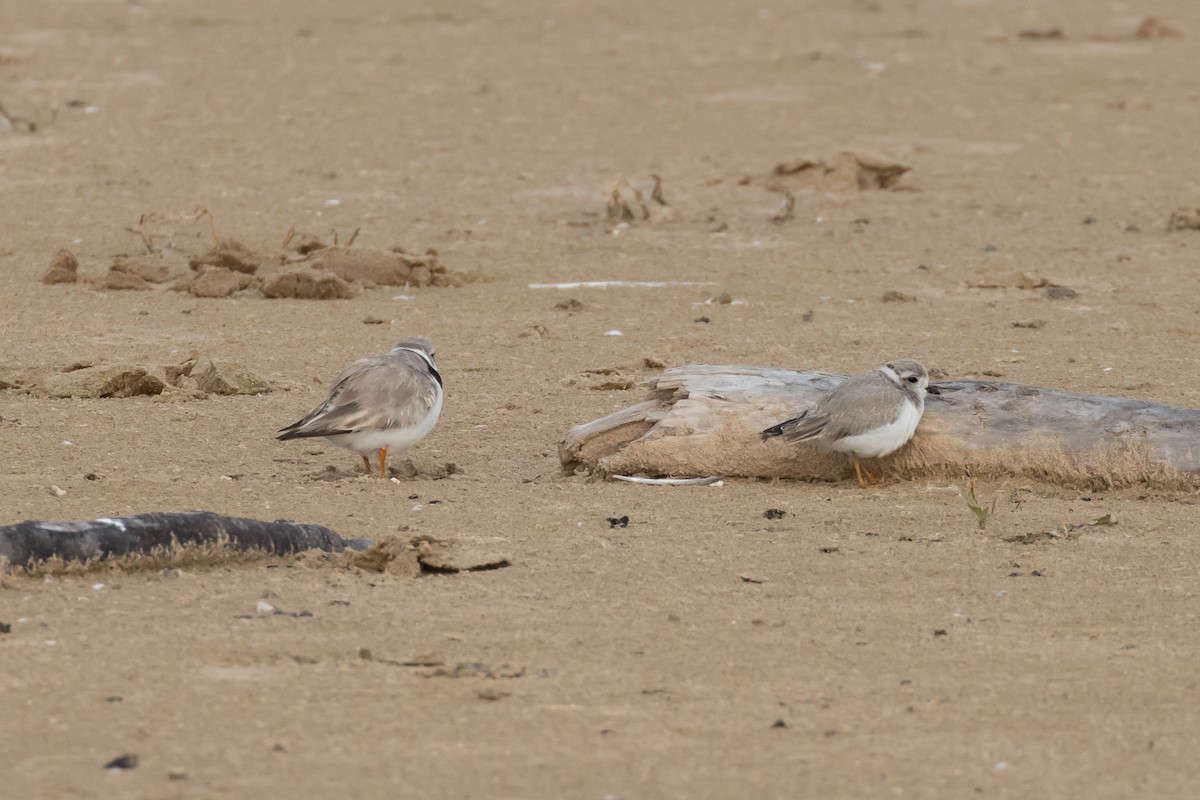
367 464
871 479
858 471
383 461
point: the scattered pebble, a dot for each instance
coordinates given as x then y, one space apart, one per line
122 762
622 521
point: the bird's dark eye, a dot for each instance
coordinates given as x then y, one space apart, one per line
911 379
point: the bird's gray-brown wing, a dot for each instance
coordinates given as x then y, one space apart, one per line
806 426
377 393
861 403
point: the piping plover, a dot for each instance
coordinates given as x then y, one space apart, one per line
868 415
381 403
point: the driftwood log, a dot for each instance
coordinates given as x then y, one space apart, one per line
30 543
706 420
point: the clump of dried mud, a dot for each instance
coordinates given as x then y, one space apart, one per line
305 268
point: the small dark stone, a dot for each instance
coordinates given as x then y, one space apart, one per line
1131 228
623 521
114 698
5 627
414 497
1037 573
126 761
990 248
435 502
940 632
91 476
829 549
778 724
1090 220
1061 293
703 319
906 682
774 513
807 316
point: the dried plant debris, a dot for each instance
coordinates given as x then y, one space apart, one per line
847 171
604 379
17 124
629 203
155 224
1063 531
573 306
1053 291
1042 34
425 554
305 267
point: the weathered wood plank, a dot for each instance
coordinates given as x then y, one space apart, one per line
706 419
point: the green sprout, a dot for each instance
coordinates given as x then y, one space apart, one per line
982 512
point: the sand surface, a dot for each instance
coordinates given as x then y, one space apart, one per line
865 644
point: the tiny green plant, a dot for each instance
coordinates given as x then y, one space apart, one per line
982 512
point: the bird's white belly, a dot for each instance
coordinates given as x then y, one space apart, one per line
882 441
367 442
